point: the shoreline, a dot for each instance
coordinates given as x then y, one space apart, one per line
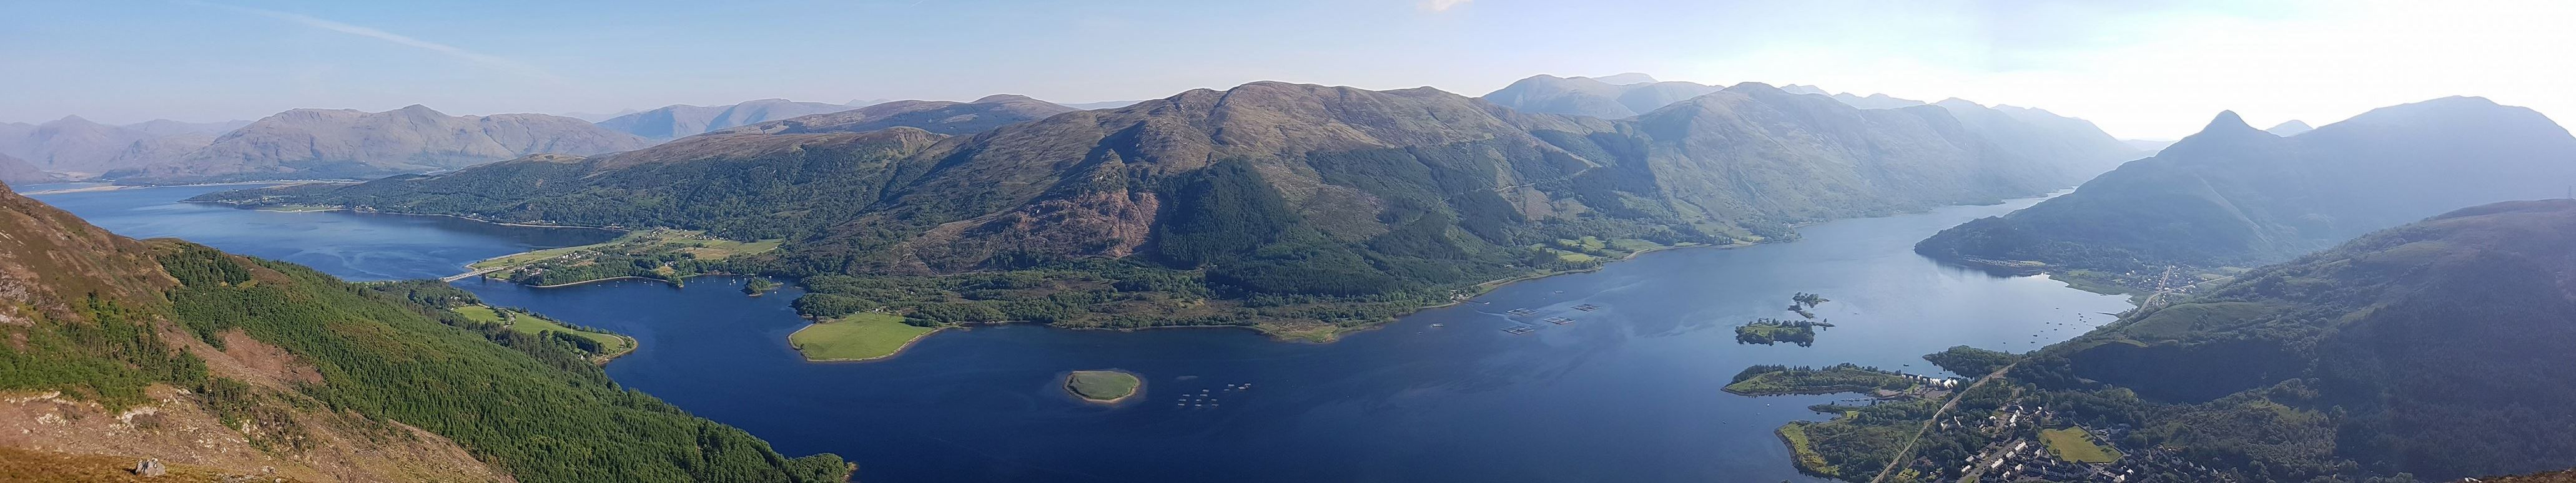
345 209
597 280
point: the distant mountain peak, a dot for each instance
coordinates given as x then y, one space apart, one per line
1005 98
1626 78
2290 128
2227 121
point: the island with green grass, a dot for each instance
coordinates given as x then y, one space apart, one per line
1107 386
863 336
600 345
1771 331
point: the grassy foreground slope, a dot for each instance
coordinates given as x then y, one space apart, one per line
301 365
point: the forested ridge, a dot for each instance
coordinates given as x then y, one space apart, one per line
102 314
2431 350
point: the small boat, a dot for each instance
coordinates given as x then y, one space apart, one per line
1435 326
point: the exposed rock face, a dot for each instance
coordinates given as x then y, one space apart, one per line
342 143
150 468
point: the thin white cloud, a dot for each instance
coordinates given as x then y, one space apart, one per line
487 60
1442 5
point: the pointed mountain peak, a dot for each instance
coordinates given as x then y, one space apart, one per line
2227 121
2289 128
69 120
419 110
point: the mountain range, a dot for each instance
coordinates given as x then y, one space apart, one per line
680 120
2035 133
1264 190
345 143
944 117
1584 96
238 369
76 145
2234 195
2435 348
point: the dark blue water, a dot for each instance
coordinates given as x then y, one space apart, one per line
1627 393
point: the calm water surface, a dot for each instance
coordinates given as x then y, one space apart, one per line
1626 393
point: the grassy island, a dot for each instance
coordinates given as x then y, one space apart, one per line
1102 386
601 345
1772 331
857 337
1773 380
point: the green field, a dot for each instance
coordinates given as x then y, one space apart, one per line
2072 444
1103 386
479 313
858 337
611 345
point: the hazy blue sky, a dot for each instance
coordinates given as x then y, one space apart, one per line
2139 68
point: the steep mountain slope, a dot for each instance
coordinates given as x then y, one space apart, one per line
342 143
680 120
16 172
169 350
943 117
2039 134
1275 200
2434 348
73 144
2233 195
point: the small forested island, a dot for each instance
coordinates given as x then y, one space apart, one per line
1803 303
1773 380
859 337
1108 386
758 285
1767 331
